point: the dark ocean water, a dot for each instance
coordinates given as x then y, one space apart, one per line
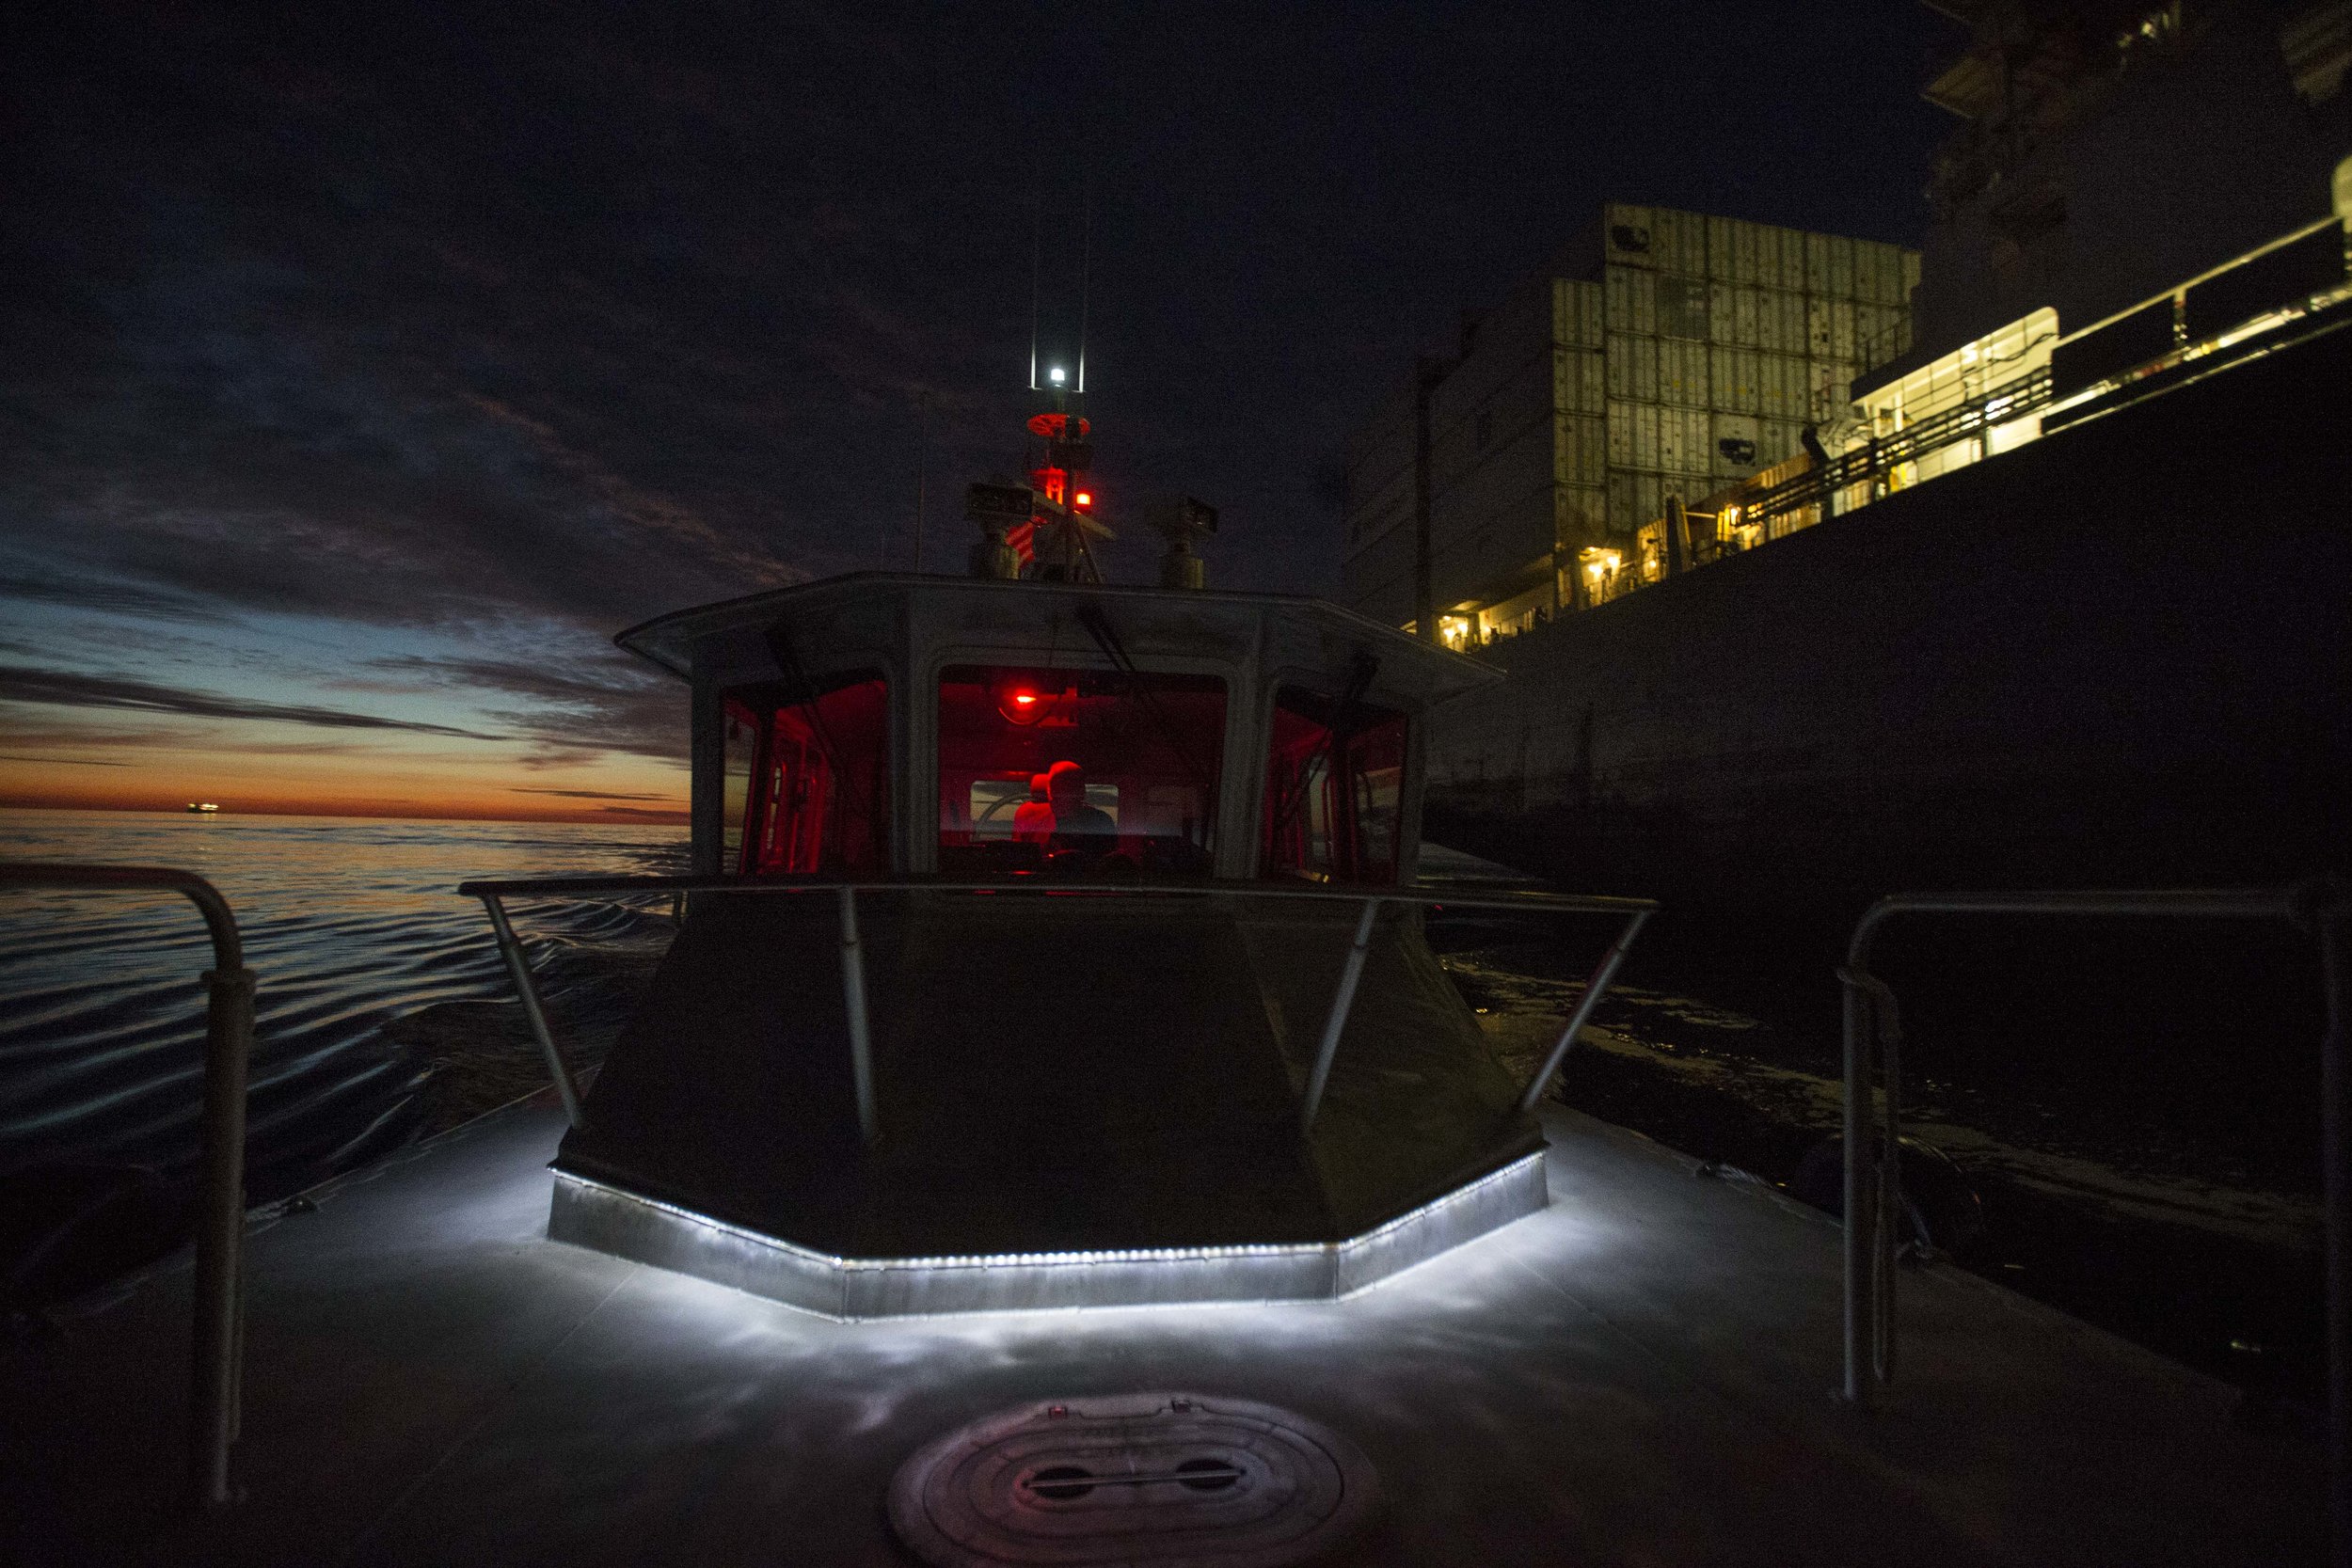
349 924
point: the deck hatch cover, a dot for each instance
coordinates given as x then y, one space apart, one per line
1143 1477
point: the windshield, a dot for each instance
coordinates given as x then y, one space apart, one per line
1077 772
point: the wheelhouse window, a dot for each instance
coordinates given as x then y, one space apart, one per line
815 794
742 761
1334 794
1077 772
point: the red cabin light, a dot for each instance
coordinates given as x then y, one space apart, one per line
1021 704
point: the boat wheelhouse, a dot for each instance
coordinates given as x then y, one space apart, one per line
1043 1012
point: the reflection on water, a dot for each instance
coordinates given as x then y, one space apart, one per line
347 922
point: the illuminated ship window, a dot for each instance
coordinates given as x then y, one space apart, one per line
808 787
1335 776
1077 772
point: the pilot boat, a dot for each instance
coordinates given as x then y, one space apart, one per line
1051 1138
1076 1063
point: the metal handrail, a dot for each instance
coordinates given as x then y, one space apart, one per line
2018 396
1872 1172
218 1368
493 893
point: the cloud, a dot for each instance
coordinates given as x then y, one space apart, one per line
586 794
301 334
677 816
64 689
63 762
602 701
40 584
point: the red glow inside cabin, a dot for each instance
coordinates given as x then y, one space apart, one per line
808 788
1334 799
807 779
1146 752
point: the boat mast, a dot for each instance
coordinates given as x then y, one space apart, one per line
1057 543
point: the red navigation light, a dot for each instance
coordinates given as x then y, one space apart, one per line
1024 698
1086 497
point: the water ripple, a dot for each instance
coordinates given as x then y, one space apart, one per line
348 924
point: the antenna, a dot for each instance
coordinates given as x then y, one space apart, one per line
1036 222
1085 269
922 468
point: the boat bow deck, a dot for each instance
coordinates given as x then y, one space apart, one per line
1642 1372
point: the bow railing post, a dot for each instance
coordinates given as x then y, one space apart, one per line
1351 974
2331 919
518 968
853 1001
1859 1191
1595 989
852 961
1872 1175
215 1408
217 1350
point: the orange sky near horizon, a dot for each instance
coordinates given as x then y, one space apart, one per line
437 809
116 711
150 766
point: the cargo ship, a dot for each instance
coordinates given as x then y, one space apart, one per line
2113 656
1819 567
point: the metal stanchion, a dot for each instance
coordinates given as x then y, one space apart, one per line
1595 989
1871 1191
214 1411
2330 916
1351 974
518 968
854 999
217 1363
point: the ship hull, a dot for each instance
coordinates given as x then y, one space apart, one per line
2116 656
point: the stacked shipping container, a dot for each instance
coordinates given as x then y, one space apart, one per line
1690 354
1724 339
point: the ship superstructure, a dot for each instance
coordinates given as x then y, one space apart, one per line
1663 354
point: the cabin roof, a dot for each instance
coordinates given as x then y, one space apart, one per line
1149 619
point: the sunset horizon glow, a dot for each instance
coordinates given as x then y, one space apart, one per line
436 811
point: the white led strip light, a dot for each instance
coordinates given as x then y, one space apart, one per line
686 1240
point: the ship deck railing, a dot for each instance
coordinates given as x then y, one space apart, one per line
1872 1190
1634 913
217 1361
2296 286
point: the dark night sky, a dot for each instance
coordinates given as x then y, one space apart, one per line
362 371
